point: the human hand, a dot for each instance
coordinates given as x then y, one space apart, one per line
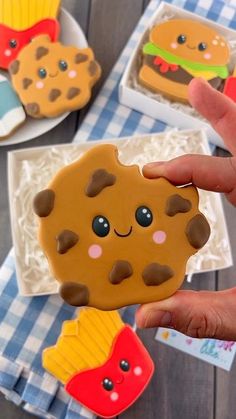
206 172
200 314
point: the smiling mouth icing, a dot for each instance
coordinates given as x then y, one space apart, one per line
123 235
152 49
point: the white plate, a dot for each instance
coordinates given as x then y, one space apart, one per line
71 34
30 170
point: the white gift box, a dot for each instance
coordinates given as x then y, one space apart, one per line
175 114
30 170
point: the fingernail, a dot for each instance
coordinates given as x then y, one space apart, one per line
203 81
158 318
200 80
155 168
154 164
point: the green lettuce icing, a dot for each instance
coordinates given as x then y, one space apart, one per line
152 49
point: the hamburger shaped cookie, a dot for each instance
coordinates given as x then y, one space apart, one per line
179 50
113 237
51 78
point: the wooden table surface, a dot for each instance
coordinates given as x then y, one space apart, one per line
182 387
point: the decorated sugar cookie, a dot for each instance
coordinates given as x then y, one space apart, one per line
51 78
21 21
12 113
113 237
22 14
230 86
179 50
101 362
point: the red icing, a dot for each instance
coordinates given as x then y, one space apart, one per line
164 66
230 88
49 27
86 387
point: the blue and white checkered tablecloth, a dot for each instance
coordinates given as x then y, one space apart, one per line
28 325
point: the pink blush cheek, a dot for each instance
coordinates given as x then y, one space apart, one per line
114 396
138 371
159 237
95 251
7 53
72 74
207 56
173 45
39 85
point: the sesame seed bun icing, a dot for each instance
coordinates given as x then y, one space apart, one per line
166 35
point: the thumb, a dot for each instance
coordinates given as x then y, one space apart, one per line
217 108
198 314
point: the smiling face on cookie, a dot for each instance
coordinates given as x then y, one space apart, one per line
114 238
117 383
51 78
191 40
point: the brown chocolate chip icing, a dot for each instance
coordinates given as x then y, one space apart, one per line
66 240
43 202
74 294
26 83
99 180
73 92
156 274
14 67
41 52
54 95
32 109
198 231
92 68
120 271
176 204
81 58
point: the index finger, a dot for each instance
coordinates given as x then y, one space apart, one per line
217 108
216 174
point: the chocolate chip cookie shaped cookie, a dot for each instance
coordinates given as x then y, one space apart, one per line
114 238
51 78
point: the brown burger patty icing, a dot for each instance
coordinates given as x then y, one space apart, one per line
180 76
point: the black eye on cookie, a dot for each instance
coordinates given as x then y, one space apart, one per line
107 384
181 39
144 216
124 365
101 226
12 43
202 46
42 73
63 66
